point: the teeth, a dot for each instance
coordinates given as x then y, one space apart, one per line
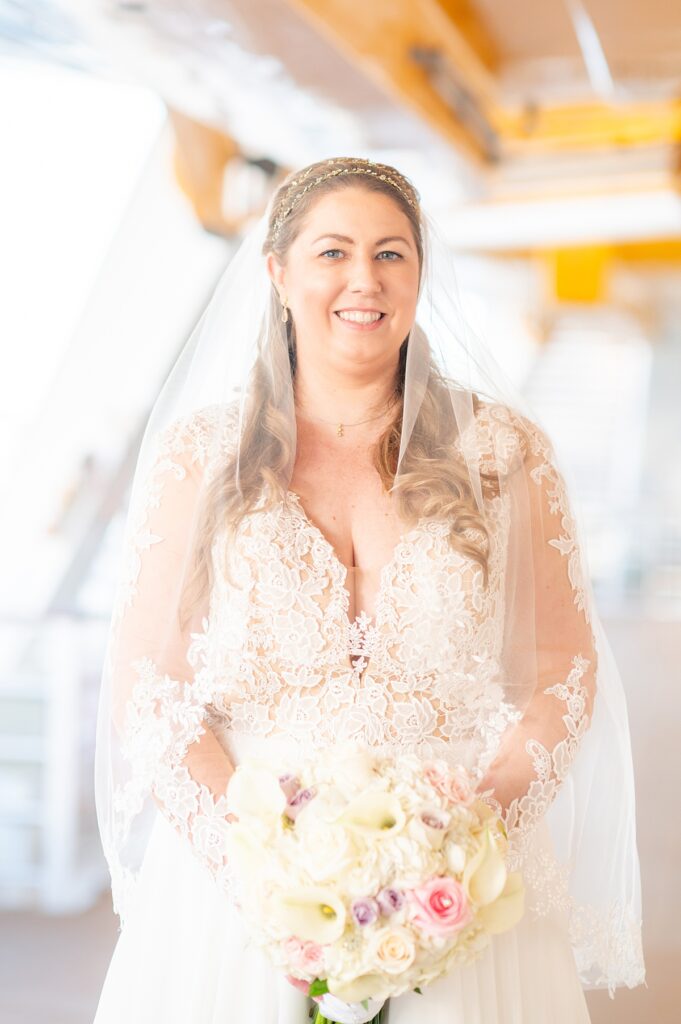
359 317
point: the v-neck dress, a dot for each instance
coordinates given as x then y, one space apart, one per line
298 674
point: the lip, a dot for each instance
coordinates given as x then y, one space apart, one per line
349 325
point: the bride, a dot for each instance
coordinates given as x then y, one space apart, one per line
344 525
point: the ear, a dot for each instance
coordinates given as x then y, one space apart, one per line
276 272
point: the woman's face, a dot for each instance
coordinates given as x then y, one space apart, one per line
355 252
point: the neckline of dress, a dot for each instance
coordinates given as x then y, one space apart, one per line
381 592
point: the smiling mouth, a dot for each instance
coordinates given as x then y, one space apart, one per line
337 313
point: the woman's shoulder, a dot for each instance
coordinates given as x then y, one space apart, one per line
501 436
200 434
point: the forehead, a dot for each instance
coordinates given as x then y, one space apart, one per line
357 213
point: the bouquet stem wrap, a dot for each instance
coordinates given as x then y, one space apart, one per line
331 1010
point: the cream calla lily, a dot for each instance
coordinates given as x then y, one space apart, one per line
507 910
312 913
374 813
366 986
485 875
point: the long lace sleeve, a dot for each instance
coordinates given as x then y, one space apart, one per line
555 650
159 696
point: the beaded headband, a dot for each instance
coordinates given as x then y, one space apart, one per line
368 168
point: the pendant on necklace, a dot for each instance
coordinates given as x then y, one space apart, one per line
339 430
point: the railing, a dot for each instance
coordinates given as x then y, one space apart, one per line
50 856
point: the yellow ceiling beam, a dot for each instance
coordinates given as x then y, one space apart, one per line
464 20
662 251
588 125
419 54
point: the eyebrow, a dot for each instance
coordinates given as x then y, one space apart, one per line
381 241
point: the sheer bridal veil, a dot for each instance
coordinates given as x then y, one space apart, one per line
550 743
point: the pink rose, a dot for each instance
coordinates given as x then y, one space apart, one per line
452 783
303 955
440 907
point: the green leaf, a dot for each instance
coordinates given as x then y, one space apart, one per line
318 987
418 990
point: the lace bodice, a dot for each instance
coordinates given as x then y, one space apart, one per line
421 675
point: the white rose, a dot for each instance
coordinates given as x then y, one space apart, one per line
325 851
393 949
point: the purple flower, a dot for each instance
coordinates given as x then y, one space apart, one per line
297 802
390 900
290 784
365 911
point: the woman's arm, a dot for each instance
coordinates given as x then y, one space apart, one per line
160 696
557 653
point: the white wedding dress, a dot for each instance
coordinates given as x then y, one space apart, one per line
420 675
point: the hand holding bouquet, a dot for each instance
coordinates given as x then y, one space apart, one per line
363 876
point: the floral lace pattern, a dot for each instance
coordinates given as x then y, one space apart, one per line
289 661
566 543
278 656
550 766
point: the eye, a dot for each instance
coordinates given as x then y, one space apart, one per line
386 252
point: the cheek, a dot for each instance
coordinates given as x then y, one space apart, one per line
316 296
406 286
405 299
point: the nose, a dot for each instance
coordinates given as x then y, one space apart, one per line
365 274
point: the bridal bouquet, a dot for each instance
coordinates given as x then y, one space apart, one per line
363 876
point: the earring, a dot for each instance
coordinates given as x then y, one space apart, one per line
284 312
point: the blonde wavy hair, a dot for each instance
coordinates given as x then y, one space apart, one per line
433 481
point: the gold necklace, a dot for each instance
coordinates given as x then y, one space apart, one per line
340 426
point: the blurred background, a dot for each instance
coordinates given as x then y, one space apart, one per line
139 139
